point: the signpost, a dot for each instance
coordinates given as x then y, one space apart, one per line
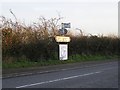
63 48
62 31
65 25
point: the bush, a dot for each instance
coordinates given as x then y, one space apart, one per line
37 43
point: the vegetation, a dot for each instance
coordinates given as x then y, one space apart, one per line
36 42
72 59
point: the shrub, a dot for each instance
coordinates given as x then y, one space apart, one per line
37 43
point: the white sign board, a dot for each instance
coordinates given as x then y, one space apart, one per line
63 51
66 25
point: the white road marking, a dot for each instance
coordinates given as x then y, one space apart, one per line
71 77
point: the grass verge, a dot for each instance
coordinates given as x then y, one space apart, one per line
72 59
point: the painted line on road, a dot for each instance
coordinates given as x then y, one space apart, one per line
45 82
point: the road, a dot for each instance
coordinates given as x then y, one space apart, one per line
103 75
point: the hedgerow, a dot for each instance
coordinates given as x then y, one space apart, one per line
37 41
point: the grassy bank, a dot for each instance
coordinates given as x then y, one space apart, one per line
72 59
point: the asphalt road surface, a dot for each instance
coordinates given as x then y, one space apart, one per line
103 75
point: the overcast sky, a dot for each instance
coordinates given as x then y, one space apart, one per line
92 16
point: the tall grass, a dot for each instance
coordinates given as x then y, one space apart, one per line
36 42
